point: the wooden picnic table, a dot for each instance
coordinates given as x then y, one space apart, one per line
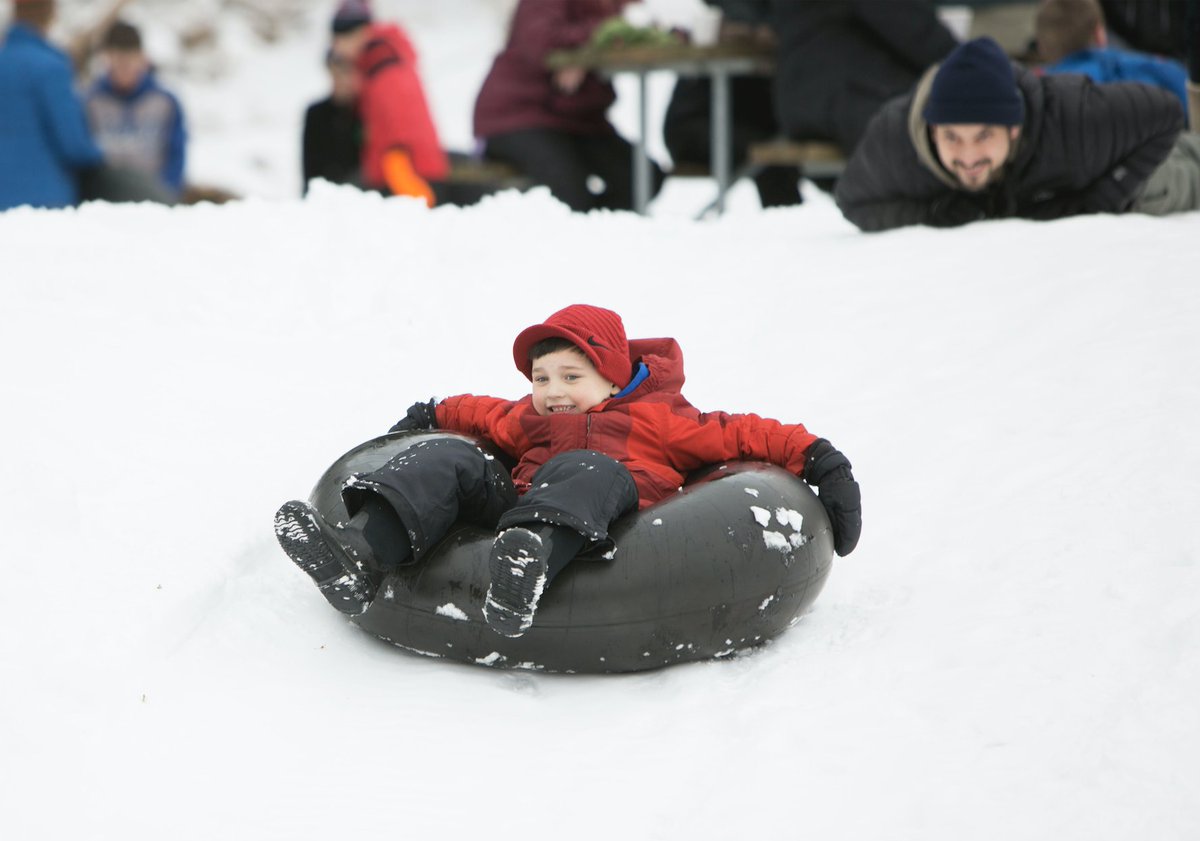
718 62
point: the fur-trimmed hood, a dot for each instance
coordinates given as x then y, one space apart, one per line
918 133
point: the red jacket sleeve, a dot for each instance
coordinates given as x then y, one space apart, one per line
718 436
492 418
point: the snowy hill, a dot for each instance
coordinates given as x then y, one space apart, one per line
1010 652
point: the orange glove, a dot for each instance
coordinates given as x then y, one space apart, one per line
402 179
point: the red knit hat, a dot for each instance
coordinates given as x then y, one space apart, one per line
597 332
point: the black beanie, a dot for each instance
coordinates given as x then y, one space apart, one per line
975 84
350 15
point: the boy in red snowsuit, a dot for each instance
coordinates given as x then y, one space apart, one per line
604 431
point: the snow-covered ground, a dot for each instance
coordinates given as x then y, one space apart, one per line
1010 653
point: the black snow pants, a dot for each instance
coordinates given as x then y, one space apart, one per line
564 162
687 131
436 483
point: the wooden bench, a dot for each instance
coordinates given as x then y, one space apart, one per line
816 158
482 173
198 193
471 178
689 170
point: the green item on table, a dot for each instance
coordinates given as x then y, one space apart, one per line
616 32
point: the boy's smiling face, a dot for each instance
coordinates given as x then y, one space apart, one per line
566 382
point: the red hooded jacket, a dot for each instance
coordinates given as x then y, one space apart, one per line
653 431
519 91
394 111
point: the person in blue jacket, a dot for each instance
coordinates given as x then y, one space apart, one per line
45 144
138 123
1072 38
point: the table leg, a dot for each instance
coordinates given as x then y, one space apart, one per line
641 156
721 142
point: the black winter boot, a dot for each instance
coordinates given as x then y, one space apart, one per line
315 547
524 559
518 570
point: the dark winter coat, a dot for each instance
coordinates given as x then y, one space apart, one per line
1150 26
653 431
44 137
332 143
1083 148
519 91
840 60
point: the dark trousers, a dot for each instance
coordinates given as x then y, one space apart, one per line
437 483
117 184
564 162
687 131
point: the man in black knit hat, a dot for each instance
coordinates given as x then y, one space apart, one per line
982 138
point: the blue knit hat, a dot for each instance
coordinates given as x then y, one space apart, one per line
975 84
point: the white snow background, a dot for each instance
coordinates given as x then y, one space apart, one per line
1011 652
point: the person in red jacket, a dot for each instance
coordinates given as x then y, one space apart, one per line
401 153
552 125
604 431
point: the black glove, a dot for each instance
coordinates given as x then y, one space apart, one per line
419 416
828 471
957 208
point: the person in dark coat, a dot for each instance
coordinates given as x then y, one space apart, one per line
687 127
45 144
840 60
1157 27
604 431
982 138
552 126
331 146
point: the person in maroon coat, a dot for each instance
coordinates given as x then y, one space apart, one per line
552 125
603 431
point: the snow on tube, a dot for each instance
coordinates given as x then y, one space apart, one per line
726 564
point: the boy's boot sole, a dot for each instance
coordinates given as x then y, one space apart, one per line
312 545
517 565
